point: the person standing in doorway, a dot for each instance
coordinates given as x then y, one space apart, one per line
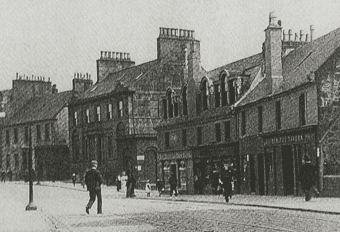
173 185
93 181
119 183
74 179
307 178
159 186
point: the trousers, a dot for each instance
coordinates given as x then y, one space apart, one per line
93 195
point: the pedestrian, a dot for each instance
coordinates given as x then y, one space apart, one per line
74 179
123 180
307 178
119 183
148 188
227 183
133 185
93 181
3 176
159 186
173 185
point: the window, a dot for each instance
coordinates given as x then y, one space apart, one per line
98 113
232 91
87 115
170 105
76 148
109 111
176 108
218 132
243 123
302 109
8 138
167 139
278 114
165 111
184 138
110 146
205 92
38 132
26 134
75 118
217 95
199 135
120 109
227 131
15 135
184 100
47 132
260 118
224 92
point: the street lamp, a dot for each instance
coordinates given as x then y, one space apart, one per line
30 205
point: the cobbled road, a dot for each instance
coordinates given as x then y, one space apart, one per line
64 209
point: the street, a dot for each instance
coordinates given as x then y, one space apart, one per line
63 209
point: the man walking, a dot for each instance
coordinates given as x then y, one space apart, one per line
93 181
173 185
307 177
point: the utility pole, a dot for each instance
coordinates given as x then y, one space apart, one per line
30 205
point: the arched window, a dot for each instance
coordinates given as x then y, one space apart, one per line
205 94
170 104
165 109
224 90
184 100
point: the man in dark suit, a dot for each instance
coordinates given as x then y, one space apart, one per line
93 181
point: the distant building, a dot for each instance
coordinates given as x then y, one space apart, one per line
113 121
260 115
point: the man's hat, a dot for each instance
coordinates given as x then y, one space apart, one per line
94 163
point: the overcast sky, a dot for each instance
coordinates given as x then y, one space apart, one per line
58 38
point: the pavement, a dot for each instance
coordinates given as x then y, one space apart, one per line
37 221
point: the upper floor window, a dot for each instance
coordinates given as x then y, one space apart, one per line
38 132
120 108
26 134
278 114
217 95
184 138
87 115
199 136
170 105
98 113
232 91
176 108
184 100
243 123
109 111
47 131
167 139
260 118
15 135
227 131
302 109
205 94
8 138
224 90
218 132
165 111
75 118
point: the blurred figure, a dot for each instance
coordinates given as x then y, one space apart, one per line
119 183
148 188
173 185
159 186
74 179
308 178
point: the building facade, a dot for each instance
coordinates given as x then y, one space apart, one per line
113 122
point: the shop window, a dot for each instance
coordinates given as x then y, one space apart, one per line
47 132
109 111
227 131
184 100
260 118
217 95
243 123
302 109
165 111
278 114
218 132
38 133
15 135
167 139
184 138
199 136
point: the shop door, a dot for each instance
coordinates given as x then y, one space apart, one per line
268 167
261 173
252 174
288 170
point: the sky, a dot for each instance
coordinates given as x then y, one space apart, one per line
58 38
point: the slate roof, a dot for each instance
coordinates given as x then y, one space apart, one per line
297 65
40 108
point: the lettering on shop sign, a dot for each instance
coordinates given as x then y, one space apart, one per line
285 139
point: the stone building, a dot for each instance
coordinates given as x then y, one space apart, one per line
113 121
36 117
280 104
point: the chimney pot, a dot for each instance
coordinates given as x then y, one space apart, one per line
296 37
101 54
284 35
121 56
272 18
128 56
290 33
301 35
109 55
90 76
113 55
105 55
307 38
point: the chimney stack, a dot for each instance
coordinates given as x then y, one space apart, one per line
311 32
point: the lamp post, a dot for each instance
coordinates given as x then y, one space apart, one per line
30 205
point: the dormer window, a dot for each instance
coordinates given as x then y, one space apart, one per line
224 90
217 95
170 104
205 94
184 100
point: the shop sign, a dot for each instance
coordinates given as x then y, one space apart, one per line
285 139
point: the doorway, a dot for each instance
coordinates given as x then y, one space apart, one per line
261 173
252 174
288 170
